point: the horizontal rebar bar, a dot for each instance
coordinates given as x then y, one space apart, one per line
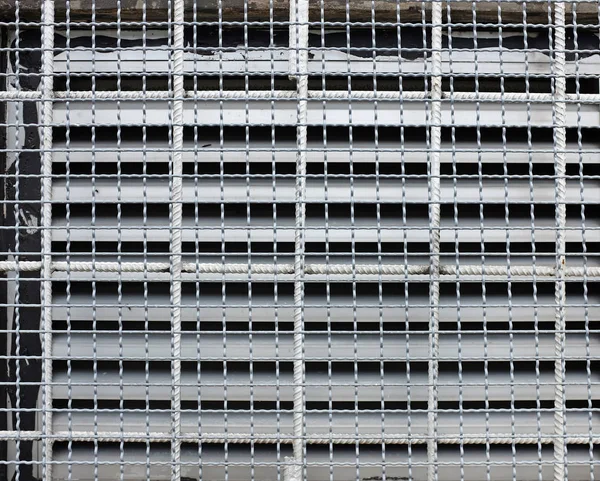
157 95
310 269
239 438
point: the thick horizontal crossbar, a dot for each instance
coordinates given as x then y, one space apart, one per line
155 95
310 269
283 438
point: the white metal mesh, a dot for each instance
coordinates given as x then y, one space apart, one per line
299 240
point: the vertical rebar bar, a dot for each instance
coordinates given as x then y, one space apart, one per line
299 53
560 165
46 285
176 222
434 235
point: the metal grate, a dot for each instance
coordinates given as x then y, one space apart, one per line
299 240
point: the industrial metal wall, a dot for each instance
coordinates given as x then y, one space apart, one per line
299 241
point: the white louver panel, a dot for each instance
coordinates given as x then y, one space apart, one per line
376 261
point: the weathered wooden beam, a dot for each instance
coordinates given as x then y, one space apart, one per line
486 11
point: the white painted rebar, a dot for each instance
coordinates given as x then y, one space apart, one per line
246 438
157 95
435 236
309 269
299 68
560 166
176 209
46 234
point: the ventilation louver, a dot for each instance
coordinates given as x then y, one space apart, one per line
366 301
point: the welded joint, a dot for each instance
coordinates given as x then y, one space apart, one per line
292 471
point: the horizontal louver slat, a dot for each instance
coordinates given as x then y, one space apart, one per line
260 113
